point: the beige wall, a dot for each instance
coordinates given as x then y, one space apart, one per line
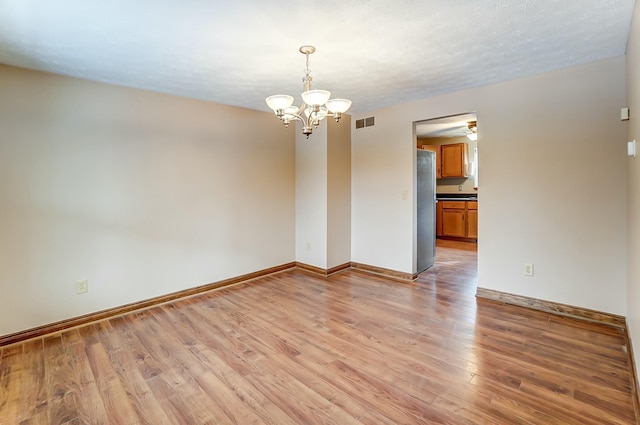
339 192
633 180
450 185
311 196
552 176
323 194
140 193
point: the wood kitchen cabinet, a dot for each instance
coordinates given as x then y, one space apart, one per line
454 219
438 218
457 219
472 220
436 149
454 160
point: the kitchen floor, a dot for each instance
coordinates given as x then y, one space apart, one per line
455 258
455 245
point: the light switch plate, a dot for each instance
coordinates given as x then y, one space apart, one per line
624 114
631 148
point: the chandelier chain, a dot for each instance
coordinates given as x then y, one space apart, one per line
307 73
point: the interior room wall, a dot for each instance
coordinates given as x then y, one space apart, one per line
552 173
339 192
633 188
323 194
311 196
450 185
140 193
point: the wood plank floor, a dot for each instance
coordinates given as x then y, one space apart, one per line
295 348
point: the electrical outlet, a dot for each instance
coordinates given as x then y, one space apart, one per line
308 246
404 195
460 188
528 269
82 286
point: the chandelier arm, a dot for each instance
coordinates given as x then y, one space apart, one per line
298 117
303 107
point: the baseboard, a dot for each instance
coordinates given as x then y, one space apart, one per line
553 307
321 271
635 389
128 308
312 269
392 274
338 269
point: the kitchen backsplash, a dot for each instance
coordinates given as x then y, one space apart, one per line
452 186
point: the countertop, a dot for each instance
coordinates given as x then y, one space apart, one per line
456 197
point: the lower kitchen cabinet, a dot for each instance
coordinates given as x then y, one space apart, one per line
438 218
458 219
453 218
472 220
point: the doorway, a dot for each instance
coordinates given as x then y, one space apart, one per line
454 142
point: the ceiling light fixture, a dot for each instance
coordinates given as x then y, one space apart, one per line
316 104
473 135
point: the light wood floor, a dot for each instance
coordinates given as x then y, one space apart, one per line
295 348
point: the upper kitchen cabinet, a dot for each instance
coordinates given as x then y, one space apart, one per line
435 149
454 160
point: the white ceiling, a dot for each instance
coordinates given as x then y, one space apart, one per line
453 126
376 52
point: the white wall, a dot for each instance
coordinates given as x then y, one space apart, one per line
552 171
323 194
311 196
142 194
633 189
381 170
339 192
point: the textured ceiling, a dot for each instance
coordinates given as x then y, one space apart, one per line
377 53
453 126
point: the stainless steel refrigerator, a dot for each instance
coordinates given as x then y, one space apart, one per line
425 209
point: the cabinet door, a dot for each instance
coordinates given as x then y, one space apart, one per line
435 149
472 224
453 223
439 219
454 159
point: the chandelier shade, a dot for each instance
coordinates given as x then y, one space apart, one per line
338 105
316 97
316 104
279 101
290 112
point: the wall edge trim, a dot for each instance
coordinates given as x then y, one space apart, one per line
554 308
392 274
323 272
310 268
635 389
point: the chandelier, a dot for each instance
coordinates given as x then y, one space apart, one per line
315 107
